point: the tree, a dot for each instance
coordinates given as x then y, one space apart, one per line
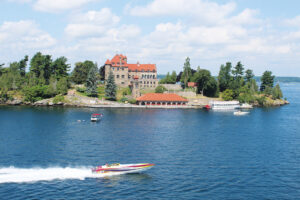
91 82
277 93
248 75
224 77
102 73
201 77
160 89
173 77
22 66
80 72
267 80
187 73
62 86
60 68
110 87
40 66
227 95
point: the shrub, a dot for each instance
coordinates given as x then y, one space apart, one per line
132 101
36 93
227 95
81 89
123 99
58 98
160 89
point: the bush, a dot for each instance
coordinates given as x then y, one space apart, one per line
58 98
123 99
132 101
81 89
227 95
160 89
261 100
36 93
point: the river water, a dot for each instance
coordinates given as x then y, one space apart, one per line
47 153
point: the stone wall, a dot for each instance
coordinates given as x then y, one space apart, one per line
172 86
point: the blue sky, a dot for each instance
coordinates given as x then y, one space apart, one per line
263 35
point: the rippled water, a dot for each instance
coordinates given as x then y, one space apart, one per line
46 153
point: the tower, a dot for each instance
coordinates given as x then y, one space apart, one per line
135 90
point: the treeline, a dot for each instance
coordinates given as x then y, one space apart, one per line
231 82
46 77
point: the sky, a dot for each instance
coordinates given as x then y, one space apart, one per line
263 35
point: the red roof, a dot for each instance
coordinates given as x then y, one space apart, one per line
192 84
161 97
115 62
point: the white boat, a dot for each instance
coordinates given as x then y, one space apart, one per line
246 106
96 117
224 105
240 113
122 168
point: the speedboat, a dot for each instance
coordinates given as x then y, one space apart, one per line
240 113
122 168
96 117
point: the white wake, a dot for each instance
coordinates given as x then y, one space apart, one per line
21 175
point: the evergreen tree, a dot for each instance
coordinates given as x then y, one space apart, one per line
110 88
187 73
249 75
224 77
22 66
267 80
60 68
277 93
91 83
173 77
80 72
40 65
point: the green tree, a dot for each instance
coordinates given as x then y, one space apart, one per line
110 87
224 77
173 77
267 80
80 72
227 95
91 82
23 65
62 86
60 67
40 66
248 75
277 93
160 89
201 77
187 73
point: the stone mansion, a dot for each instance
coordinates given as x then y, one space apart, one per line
125 74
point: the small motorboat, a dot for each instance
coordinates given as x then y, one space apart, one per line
246 106
122 168
240 113
96 117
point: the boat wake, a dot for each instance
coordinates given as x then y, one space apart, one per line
27 175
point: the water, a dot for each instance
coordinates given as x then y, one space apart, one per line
46 153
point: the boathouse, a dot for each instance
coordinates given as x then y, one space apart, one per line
159 99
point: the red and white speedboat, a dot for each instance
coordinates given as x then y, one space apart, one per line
122 168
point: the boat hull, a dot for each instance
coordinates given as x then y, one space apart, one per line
122 168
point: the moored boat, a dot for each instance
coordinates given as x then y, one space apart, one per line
224 105
96 117
122 168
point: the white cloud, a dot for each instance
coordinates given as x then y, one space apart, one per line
203 10
293 21
59 5
24 35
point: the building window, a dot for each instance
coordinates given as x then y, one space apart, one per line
123 76
118 68
122 83
147 76
144 82
128 76
122 68
153 76
129 70
113 69
118 76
